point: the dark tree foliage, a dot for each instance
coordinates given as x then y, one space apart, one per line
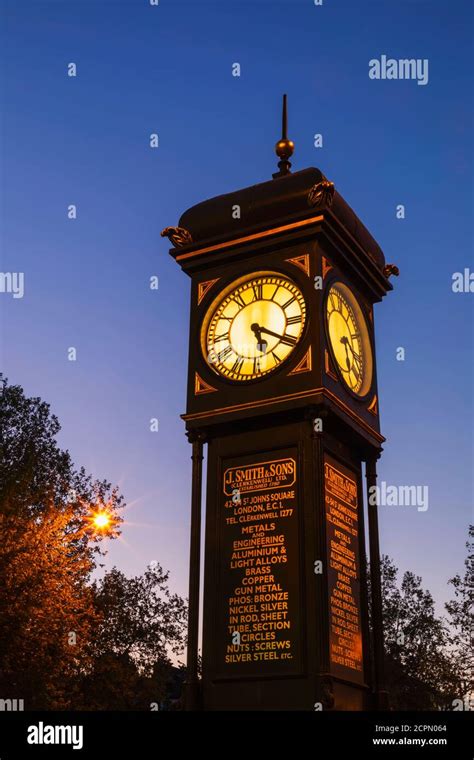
47 554
63 639
419 668
461 618
140 625
139 617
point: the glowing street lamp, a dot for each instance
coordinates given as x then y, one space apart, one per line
101 520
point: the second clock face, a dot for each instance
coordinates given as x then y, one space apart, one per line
349 338
253 326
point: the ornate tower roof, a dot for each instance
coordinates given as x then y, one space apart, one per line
289 199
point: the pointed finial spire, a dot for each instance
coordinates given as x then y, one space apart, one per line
284 147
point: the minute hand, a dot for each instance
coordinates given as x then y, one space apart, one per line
287 340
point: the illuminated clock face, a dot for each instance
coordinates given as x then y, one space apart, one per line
253 326
349 338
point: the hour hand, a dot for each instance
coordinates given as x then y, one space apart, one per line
261 342
345 342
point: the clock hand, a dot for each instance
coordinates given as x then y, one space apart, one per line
348 345
345 343
261 343
288 340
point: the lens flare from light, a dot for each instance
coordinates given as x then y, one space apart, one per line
101 520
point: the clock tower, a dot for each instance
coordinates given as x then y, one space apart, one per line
282 387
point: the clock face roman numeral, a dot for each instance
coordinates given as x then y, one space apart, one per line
224 336
225 353
288 340
237 298
257 288
272 297
288 303
335 302
237 365
276 358
293 320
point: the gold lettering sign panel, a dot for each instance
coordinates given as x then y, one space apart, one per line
342 535
259 626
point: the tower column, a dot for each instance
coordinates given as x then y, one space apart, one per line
191 692
376 583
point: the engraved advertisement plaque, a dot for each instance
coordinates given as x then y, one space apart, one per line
342 536
258 625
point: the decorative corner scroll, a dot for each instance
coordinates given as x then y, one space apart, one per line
200 385
321 194
197 436
178 236
302 262
390 269
204 287
304 365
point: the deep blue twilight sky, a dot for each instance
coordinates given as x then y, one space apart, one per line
85 141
